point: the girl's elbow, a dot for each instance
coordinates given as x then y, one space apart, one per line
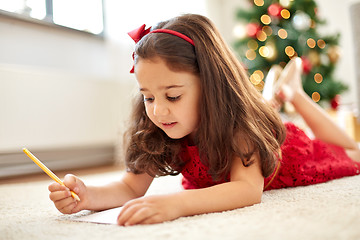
252 197
258 198
257 192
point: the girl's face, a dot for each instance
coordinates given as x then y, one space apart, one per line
171 98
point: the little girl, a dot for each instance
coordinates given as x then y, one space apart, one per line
198 114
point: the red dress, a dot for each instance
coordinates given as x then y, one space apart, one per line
304 162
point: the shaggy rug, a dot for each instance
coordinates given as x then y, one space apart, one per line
325 211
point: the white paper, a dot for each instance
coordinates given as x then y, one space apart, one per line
106 217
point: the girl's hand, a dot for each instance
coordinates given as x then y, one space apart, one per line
151 209
62 198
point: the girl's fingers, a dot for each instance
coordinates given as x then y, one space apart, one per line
57 187
128 211
61 204
59 195
153 219
140 216
138 212
77 207
71 182
125 213
69 208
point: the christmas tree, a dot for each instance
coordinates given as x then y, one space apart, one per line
273 31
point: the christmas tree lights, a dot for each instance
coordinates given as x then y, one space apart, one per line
274 31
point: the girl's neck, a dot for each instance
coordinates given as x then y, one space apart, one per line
189 140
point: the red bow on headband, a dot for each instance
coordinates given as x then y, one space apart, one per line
137 34
140 32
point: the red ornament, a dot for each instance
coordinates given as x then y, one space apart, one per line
252 29
335 102
275 10
307 66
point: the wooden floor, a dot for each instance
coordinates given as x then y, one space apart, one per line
60 174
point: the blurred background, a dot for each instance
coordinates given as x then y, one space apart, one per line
65 86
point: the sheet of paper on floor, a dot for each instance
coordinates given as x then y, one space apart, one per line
106 217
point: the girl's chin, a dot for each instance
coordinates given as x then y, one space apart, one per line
174 135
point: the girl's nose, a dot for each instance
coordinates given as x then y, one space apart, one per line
160 109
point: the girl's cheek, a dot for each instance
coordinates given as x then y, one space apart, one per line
147 111
149 114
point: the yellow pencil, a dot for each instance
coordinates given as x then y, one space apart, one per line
48 171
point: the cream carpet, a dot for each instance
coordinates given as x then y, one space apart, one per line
324 211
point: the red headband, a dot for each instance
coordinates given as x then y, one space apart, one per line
139 33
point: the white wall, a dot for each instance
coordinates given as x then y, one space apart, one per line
337 15
56 88
42 108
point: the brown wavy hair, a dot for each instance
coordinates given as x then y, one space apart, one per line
234 119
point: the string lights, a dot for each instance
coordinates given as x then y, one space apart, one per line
265 19
259 3
318 78
321 43
315 96
285 14
257 79
311 43
282 33
289 50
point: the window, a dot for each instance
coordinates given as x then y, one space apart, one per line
83 15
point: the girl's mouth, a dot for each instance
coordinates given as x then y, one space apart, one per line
168 125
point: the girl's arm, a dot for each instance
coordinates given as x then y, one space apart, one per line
98 197
244 189
117 193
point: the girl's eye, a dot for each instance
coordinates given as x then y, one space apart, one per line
148 99
173 99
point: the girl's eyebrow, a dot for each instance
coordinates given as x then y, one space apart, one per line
164 87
